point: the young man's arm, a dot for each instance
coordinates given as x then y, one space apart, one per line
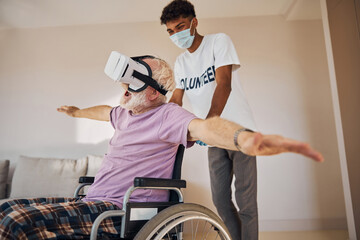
221 93
101 113
222 90
220 133
177 96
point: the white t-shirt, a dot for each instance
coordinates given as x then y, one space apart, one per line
195 73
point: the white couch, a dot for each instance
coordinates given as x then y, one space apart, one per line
45 177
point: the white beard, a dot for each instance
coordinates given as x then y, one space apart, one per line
136 103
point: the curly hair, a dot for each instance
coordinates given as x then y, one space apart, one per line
176 9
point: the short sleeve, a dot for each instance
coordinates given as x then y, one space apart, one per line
174 126
176 75
114 115
225 52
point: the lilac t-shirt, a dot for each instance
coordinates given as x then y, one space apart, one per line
143 145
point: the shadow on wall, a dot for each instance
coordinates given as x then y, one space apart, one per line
320 122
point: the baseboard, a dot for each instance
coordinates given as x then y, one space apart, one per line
302 225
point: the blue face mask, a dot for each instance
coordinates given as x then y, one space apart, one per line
183 39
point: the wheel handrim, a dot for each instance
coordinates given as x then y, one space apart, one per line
182 219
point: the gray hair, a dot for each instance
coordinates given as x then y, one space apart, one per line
163 74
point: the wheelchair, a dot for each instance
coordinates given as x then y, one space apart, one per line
172 220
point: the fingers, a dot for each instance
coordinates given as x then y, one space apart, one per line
316 156
308 151
304 149
69 110
275 144
201 143
63 109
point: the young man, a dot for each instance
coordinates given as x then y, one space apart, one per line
207 72
147 134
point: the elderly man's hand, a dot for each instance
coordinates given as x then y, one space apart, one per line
69 110
259 144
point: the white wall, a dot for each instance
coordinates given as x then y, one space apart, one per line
284 74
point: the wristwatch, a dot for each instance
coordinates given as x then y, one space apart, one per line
236 134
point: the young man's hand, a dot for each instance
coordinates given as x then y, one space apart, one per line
201 143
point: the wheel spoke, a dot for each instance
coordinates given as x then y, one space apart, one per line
176 232
203 230
184 221
192 230
197 226
208 231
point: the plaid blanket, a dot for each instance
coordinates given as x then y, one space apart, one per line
55 218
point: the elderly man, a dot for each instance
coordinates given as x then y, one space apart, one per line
147 134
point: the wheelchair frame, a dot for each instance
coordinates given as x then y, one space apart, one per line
170 216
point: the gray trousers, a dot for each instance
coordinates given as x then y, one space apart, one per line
223 165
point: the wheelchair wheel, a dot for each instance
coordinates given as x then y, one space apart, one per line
184 221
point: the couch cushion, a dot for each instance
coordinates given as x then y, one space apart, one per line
4 170
94 163
46 177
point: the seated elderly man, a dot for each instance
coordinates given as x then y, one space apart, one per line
147 134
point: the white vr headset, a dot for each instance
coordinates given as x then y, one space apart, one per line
133 71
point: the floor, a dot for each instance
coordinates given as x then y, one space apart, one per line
305 235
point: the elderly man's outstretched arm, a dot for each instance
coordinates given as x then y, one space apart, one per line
220 133
101 112
217 132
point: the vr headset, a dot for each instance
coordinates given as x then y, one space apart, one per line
133 71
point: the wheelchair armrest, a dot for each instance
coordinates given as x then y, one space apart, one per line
159 182
86 179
